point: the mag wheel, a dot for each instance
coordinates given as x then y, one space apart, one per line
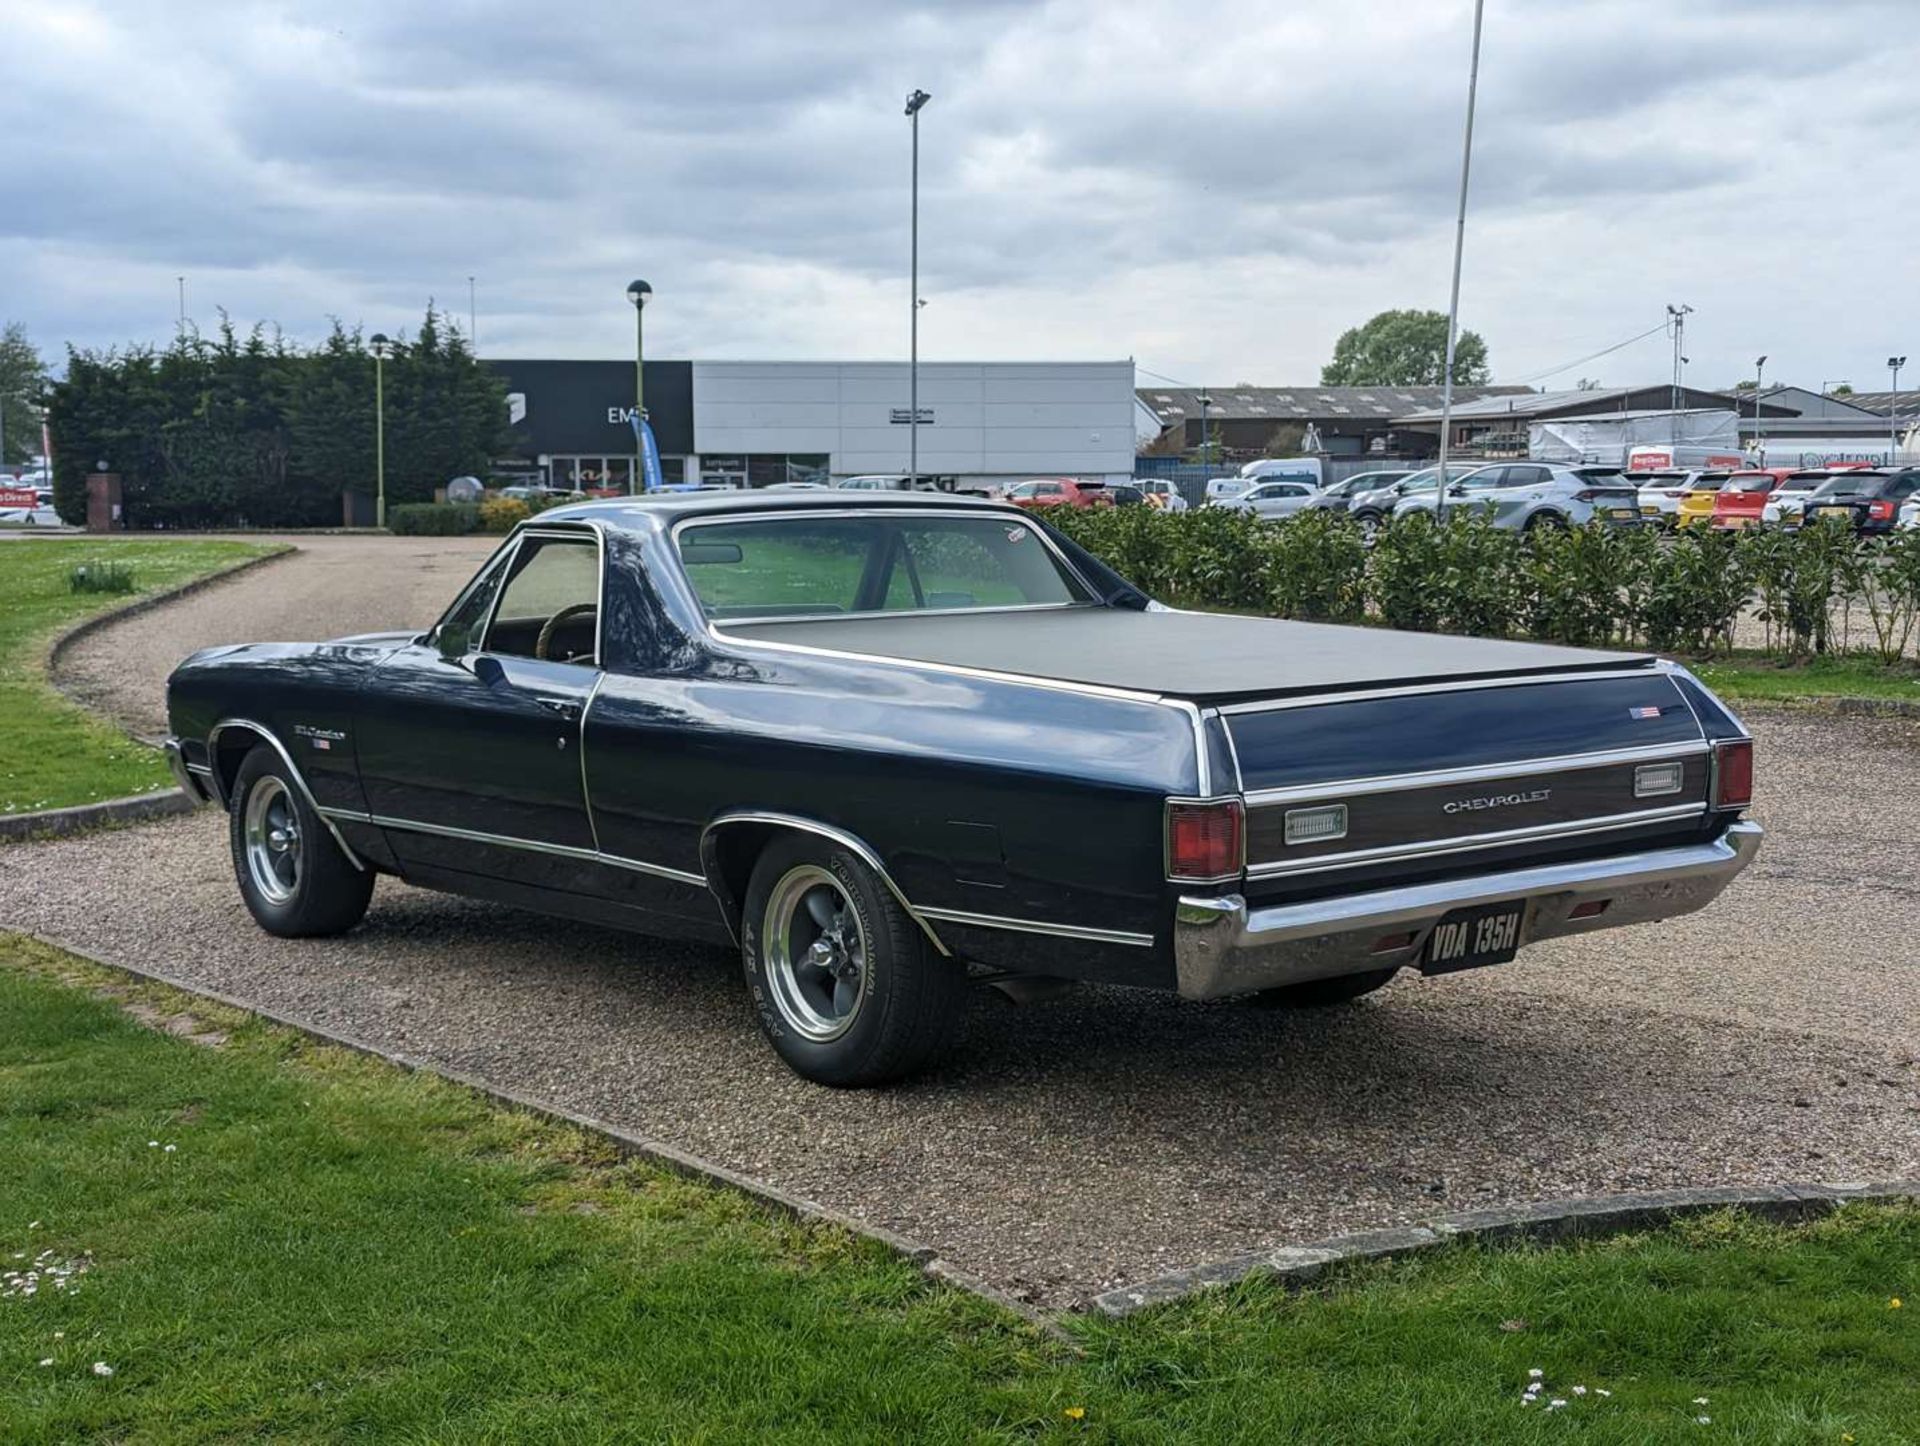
294 878
847 987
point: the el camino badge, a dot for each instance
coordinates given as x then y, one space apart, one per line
1497 800
320 738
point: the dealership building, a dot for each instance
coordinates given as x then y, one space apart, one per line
759 423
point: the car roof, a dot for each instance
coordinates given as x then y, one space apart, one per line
662 509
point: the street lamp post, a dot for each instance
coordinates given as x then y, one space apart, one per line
1206 455
1759 384
918 99
638 292
381 346
1894 363
1459 248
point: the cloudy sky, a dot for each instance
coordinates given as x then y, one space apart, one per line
1214 189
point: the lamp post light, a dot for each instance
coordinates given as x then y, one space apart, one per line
637 292
1894 363
915 102
381 346
1759 384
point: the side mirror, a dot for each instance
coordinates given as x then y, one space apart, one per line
487 669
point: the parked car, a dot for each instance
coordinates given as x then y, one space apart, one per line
1311 470
1044 492
1161 493
893 747
1338 496
1370 509
1782 505
1696 507
1909 517
1219 487
1522 496
1869 498
1270 499
883 482
1742 501
1660 492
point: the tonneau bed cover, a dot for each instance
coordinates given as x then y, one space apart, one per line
1203 656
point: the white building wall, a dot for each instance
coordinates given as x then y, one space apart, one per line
989 420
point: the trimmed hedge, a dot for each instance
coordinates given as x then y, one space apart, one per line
1585 586
433 519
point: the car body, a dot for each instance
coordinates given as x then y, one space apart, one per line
533 492
1219 487
1696 506
1519 496
1371 508
1311 470
1909 516
1742 502
1661 491
1041 493
1161 493
1338 496
883 482
1870 498
1126 494
876 742
1781 507
36 516
1270 499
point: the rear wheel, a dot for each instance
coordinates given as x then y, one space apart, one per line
294 878
1369 524
1317 993
847 987
1546 522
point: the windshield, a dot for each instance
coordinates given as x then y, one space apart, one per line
800 566
1842 483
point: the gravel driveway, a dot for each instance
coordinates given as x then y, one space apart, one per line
1111 1136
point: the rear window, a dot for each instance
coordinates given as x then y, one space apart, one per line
1749 484
820 566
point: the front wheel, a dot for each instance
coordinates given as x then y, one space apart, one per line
848 989
294 878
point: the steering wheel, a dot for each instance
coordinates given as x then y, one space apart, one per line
552 625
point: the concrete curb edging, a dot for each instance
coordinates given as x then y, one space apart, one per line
1588 1217
633 1146
59 822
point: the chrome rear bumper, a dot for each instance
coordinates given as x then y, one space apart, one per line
1222 947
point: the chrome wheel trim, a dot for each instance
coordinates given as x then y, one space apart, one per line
270 831
815 953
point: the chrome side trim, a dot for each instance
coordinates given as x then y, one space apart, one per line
850 842
586 794
565 851
773 619
1315 700
299 778
1389 782
1035 926
1222 946
1440 848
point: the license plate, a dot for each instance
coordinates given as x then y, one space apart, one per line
1471 938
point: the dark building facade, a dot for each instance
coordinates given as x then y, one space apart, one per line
573 420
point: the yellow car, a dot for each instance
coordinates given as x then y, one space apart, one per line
1696 508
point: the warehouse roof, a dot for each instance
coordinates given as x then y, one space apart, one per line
1173 405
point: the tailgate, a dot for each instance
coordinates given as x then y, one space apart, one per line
1445 771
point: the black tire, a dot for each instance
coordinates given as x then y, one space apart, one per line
1318 993
1546 522
305 886
903 1002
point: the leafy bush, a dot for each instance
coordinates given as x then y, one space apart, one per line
1885 576
1800 576
1696 586
432 519
1316 568
501 514
96 575
1586 586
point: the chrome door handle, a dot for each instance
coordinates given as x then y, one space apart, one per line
567 708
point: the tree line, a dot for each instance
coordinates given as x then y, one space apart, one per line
251 430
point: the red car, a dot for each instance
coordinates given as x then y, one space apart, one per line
1741 501
1059 492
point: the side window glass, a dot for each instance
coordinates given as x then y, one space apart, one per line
555 592
458 633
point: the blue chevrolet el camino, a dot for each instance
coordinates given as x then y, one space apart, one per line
892 746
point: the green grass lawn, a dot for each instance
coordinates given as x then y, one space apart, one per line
52 753
1758 678
286 1240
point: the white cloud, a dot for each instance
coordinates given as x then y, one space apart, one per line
1218 191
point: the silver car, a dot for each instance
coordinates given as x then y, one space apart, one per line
1338 496
1270 499
1521 496
1371 509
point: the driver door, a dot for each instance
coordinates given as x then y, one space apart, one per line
469 738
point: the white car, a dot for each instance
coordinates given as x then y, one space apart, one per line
1660 492
1161 493
1310 470
1786 502
1271 499
1909 517
881 482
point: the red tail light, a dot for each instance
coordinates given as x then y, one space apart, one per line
1205 841
1880 511
1733 774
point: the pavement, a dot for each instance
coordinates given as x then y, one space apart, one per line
1112 1135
